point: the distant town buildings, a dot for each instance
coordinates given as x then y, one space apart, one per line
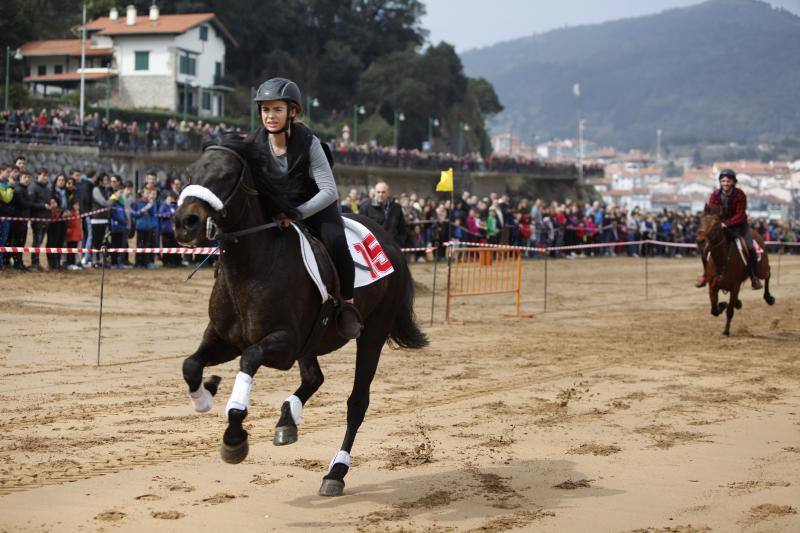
635 179
173 63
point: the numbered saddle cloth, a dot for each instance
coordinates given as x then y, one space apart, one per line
371 262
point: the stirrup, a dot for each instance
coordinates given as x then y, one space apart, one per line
701 282
348 321
756 283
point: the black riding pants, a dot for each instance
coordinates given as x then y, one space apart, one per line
328 227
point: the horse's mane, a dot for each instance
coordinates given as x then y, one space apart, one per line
274 192
712 210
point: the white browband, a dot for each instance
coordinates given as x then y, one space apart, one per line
198 191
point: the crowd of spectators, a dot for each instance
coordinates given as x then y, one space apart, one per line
87 209
62 126
497 219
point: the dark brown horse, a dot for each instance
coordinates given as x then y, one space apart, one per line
725 269
264 305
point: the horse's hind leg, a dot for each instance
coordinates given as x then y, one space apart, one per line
212 351
368 353
767 296
311 379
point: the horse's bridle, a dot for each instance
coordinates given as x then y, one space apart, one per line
203 193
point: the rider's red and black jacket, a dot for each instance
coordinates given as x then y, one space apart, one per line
734 206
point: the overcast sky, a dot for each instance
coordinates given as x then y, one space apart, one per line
475 23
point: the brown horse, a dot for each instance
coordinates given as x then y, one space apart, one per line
725 269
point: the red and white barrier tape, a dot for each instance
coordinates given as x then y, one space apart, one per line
209 250
62 219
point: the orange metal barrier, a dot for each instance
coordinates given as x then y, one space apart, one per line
484 271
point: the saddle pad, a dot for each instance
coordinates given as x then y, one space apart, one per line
371 262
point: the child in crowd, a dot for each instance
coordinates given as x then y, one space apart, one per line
165 211
119 229
145 213
74 232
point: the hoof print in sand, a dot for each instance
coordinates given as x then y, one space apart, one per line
167 515
110 516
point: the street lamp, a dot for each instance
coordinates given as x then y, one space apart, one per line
432 122
357 110
310 102
461 129
398 118
18 56
581 127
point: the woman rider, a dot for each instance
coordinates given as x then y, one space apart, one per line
297 155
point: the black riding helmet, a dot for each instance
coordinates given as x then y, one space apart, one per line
728 173
280 89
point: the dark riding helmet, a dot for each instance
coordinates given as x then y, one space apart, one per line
728 173
279 89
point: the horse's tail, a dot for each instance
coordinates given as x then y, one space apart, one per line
405 332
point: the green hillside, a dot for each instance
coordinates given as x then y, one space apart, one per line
723 70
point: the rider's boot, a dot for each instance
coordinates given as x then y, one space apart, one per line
751 266
348 320
701 281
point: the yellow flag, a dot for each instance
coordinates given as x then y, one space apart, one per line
446 181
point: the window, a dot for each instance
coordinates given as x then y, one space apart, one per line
41 70
142 61
217 69
187 64
203 32
59 69
206 100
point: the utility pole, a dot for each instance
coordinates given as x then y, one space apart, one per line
576 90
357 110
658 145
432 121
83 64
398 118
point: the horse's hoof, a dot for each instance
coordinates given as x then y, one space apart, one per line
234 454
770 300
331 487
285 435
726 333
738 304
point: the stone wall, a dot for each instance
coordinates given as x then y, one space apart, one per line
171 164
148 92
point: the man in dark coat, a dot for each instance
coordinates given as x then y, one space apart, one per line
384 210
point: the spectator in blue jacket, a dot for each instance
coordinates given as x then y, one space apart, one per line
119 229
165 211
145 212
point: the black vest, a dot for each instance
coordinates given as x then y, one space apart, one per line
298 159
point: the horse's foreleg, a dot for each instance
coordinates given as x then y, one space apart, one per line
212 351
274 350
311 379
368 353
730 310
713 294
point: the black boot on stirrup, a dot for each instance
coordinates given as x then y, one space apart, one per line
348 321
754 281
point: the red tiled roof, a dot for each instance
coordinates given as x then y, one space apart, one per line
61 47
170 24
69 76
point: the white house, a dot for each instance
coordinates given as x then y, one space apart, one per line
168 62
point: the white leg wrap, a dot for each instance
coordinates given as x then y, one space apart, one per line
240 396
342 457
201 399
296 407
